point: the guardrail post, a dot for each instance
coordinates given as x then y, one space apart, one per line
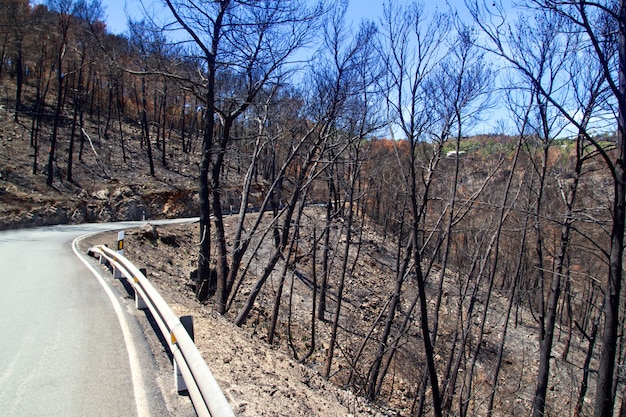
187 322
140 303
120 250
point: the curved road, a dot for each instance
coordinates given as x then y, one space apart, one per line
68 347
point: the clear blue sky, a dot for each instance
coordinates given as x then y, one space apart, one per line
116 12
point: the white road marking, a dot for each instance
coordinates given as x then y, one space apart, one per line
141 398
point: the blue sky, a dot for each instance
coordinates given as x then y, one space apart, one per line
115 10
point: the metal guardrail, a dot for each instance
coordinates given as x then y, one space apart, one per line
206 395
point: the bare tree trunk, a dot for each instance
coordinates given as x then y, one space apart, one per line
516 277
284 236
267 271
210 52
240 245
203 278
429 351
321 307
584 383
56 120
507 317
3 54
312 345
70 151
545 345
342 278
375 374
78 100
120 113
145 125
163 124
604 386
217 164
19 71
40 100
279 290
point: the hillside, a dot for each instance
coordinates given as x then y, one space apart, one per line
284 378
265 380
103 188
258 380
431 273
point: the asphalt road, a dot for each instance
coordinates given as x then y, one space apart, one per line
70 344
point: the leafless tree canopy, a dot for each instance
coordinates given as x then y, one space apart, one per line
359 205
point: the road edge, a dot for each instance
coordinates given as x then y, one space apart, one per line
141 397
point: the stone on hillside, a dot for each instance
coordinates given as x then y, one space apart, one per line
102 194
122 192
149 231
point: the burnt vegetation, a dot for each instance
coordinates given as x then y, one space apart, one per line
351 212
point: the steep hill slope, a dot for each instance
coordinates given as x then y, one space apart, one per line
262 379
